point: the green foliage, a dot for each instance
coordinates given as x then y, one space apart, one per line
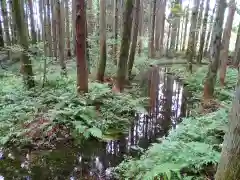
189 148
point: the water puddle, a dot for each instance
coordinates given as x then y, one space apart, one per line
95 160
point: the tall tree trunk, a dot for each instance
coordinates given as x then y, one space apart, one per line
48 28
162 30
74 25
54 28
226 41
153 16
211 76
103 50
229 164
60 28
126 36
209 39
82 69
203 33
67 29
192 37
115 31
18 10
140 31
13 25
158 26
199 23
1 37
185 29
90 19
236 58
134 38
33 29
5 21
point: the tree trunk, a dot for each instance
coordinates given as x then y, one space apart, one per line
226 41
60 28
192 37
18 10
211 76
33 29
199 23
115 31
134 38
90 18
152 49
126 36
185 29
5 22
54 28
158 26
209 39
48 28
103 50
203 33
74 25
140 28
82 69
67 29
229 164
236 58
162 30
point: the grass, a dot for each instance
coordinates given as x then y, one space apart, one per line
194 147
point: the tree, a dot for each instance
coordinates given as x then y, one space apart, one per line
33 29
67 29
236 58
22 33
5 21
152 29
115 31
229 164
82 69
54 28
192 36
60 29
226 41
103 50
210 80
185 28
125 43
134 38
203 33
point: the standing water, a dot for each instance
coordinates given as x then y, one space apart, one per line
95 159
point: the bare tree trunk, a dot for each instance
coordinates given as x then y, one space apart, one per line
140 28
185 29
192 37
48 28
162 30
18 9
54 28
211 76
126 36
158 26
134 38
236 58
33 29
203 33
226 41
74 25
5 21
229 164
82 69
67 29
60 29
103 50
152 49
115 30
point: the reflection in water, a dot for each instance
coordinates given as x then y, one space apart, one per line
94 160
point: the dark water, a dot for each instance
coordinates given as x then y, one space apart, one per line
94 159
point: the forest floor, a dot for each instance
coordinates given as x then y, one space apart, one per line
192 150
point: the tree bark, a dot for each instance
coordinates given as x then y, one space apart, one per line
236 58
67 29
74 25
5 21
32 24
115 30
81 34
103 50
151 43
48 28
134 38
18 10
185 29
60 29
203 33
229 164
54 28
192 37
215 55
125 43
226 41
